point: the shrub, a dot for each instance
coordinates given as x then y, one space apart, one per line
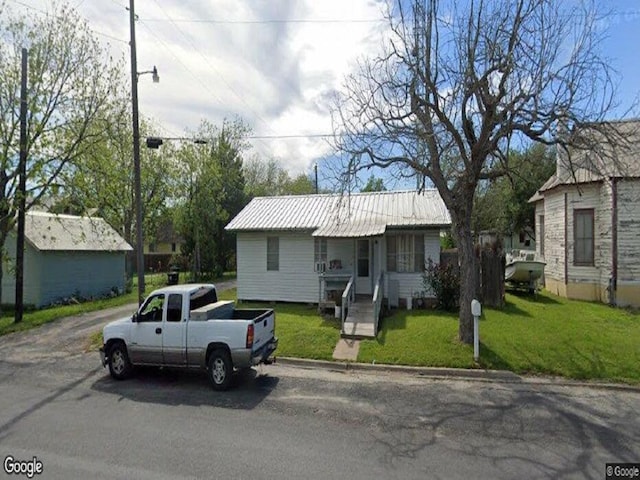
443 280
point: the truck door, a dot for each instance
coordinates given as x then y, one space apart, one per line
146 332
174 350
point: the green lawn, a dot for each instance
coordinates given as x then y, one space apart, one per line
301 331
540 335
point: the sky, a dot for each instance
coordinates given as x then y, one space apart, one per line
275 63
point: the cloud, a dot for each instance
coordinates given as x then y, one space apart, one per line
273 63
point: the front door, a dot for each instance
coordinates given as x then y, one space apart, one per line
174 350
146 332
363 266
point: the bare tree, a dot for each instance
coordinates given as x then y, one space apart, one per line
457 83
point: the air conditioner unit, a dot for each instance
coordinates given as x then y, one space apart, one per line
320 267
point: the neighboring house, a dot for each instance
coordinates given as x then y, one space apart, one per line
65 255
523 240
307 248
588 223
167 243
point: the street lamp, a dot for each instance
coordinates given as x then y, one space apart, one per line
136 149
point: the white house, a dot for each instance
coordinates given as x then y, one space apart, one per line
307 248
588 223
65 255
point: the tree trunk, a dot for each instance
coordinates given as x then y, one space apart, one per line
468 271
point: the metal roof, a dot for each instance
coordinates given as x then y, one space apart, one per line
603 161
343 215
48 231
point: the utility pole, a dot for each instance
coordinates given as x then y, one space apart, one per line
22 191
136 154
315 169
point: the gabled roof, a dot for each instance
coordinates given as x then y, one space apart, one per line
51 232
335 215
601 161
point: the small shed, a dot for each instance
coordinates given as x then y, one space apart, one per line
65 255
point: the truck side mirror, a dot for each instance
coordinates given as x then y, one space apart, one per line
134 317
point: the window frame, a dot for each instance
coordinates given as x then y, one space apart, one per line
273 258
589 262
405 261
320 250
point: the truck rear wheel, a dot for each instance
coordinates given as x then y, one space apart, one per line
220 369
119 365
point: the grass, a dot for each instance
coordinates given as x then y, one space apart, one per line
536 335
35 318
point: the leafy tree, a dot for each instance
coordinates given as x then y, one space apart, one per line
456 82
374 185
268 178
212 183
503 204
69 79
101 181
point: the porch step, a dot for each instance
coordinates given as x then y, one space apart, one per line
358 329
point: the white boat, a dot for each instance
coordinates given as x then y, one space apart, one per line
521 266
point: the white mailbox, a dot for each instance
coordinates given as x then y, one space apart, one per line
476 308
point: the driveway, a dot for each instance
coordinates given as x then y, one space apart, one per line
66 336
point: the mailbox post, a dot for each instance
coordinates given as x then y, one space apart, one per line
476 311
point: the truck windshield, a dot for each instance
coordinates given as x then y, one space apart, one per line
201 297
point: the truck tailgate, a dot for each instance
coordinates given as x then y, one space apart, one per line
264 329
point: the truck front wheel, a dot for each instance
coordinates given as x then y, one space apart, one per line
119 364
220 369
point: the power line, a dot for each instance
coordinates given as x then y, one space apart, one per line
269 21
208 62
45 13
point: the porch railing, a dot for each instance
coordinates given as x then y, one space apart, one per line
378 294
347 299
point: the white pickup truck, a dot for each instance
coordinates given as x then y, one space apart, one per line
186 326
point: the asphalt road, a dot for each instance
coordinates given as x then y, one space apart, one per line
287 422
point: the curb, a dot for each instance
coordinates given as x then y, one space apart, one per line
443 373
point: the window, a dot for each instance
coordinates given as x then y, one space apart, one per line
583 237
273 253
541 234
405 253
363 258
151 311
174 308
152 248
320 250
173 247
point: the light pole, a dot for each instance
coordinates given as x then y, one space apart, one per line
136 150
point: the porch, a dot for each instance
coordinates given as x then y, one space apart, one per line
359 313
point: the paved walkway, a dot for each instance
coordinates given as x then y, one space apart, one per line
347 349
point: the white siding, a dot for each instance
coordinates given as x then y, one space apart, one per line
295 281
31 284
554 244
629 230
538 230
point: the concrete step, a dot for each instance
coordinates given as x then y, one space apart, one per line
358 330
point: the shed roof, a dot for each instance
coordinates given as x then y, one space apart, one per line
52 232
336 215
